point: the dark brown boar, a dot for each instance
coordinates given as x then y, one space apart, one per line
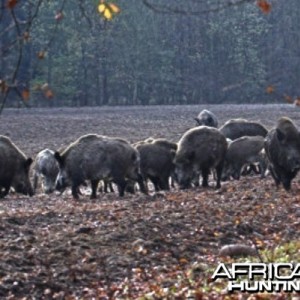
207 118
242 151
282 146
14 169
171 146
157 163
236 128
199 150
93 157
45 168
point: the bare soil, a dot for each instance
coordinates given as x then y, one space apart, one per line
53 247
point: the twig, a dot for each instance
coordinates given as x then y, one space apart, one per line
168 9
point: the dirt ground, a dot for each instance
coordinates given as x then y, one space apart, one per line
53 247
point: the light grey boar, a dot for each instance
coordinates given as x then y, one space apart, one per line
14 169
200 149
45 168
157 163
236 128
242 151
282 147
94 157
207 118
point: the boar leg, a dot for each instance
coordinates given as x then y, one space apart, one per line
164 183
262 168
155 182
121 183
108 187
205 173
130 187
94 185
287 178
275 176
35 181
236 172
75 189
219 171
142 184
5 192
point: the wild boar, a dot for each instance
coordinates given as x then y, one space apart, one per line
200 149
282 147
45 167
14 169
157 163
236 128
94 157
207 118
165 143
242 151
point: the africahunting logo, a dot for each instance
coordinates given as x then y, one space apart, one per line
260 277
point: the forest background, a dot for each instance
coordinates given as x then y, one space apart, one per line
64 53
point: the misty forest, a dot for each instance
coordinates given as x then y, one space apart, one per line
67 53
109 189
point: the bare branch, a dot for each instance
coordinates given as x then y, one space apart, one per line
171 9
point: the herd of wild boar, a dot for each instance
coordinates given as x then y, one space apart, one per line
238 147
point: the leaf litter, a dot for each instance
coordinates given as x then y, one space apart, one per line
53 246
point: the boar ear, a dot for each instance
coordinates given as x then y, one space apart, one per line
197 120
280 135
59 158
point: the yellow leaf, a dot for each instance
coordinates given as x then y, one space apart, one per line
107 14
115 9
101 8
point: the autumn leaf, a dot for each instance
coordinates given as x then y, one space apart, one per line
264 5
107 14
3 86
11 3
26 36
270 89
101 8
114 8
288 98
183 260
49 94
108 10
59 16
26 94
41 54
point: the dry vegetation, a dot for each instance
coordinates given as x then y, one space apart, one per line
163 245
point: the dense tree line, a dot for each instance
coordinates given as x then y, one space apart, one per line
73 57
